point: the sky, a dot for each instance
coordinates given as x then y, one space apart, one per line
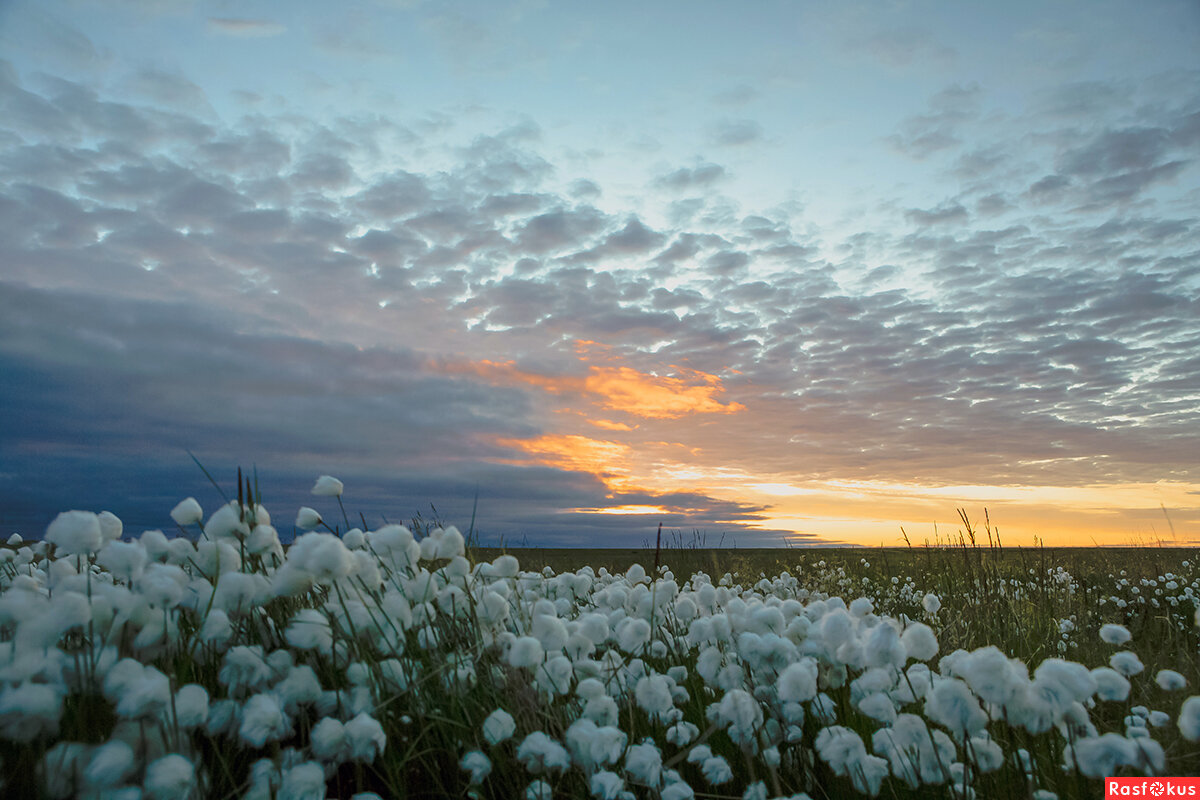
768 273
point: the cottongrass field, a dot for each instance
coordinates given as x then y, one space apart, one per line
218 663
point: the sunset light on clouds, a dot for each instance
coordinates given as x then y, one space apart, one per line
779 272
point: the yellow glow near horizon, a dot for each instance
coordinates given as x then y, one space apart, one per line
649 459
873 514
629 509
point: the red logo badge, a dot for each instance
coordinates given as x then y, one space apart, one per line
1153 788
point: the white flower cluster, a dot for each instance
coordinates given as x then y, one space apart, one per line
316 656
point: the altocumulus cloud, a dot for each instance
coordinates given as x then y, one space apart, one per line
274 292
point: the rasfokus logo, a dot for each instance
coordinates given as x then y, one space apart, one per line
1152 787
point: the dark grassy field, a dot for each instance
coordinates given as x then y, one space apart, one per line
918 562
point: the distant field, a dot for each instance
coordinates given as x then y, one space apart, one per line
916 561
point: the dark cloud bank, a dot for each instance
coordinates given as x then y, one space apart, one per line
264 294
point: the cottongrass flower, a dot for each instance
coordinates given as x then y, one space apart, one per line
1126 662
1189 719
740 714
526 653
477 764
798 681
682 733
919 641
310 630
917 754
123 560
643 762
111 526
950 703
137 690
304 781
109 765
883 648
227 523
187 512
75 533
264 540
1112 633
498 727
245 669
716 770
171 777
328 740
222 717
539 753
677 790
327 486
216 630
1110 684
1169 680
989 674
1102 755
633 635
395 547
162 585
322 557
878 706
307 518
605 785
593 746
843 750
191 706
653 695
264 780
29 710
264 720
931 603
365 738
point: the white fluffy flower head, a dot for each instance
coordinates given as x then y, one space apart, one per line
327 486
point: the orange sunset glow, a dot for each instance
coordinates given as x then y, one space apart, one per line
616 388
633 459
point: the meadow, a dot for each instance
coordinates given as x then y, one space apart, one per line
216 662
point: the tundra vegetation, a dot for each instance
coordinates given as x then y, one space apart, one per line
401 662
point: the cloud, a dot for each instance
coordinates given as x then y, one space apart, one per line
244 27
558 230
322 171
47 38
633 239
1082 100
1049 188
261 293
923 135
992 204
736 133
583 189
1119 165
684 179
1079 153
621 388
904 47
942 215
